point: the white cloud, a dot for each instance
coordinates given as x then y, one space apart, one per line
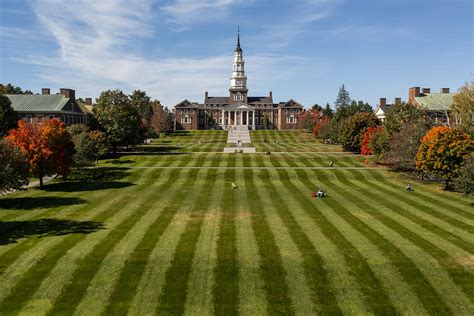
96 52
182 13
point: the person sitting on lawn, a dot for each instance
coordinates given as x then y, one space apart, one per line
234 186
331 164
409 188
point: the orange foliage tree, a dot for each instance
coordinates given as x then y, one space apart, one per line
443 151
367 138
48 147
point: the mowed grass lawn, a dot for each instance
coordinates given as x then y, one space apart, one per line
166 234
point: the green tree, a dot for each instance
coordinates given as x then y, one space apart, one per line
118 118
463 107
327 111
343 98
380 145
14 168
353 129
465 182
266 121
11 89
142 102
317 107
402 114
8 116
443 152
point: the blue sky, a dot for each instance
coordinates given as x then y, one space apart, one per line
177 49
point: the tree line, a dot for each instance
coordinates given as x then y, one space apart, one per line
47 148
408 140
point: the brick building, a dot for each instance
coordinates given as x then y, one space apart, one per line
36 108
437 105
238 108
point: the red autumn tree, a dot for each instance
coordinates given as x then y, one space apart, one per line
48 147
365 149
308 119
322 128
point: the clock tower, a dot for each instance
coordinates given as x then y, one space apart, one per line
238 82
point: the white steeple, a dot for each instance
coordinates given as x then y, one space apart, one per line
238 81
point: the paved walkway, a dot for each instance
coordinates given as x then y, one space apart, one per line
236 134
32 184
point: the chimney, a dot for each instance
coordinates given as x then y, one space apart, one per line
46 91
271 94
426 90
398 101
89 101
444 90
206 95
68 93
383 102
413 93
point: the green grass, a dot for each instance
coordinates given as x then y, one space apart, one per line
162 233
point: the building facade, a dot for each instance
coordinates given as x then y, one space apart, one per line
37 108
238 108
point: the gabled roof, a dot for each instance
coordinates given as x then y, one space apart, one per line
291 102
436 101
187 103
384 108
37 102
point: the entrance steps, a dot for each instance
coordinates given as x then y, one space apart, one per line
236 133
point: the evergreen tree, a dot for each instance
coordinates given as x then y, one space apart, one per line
316 107
343 99
8 116
327 111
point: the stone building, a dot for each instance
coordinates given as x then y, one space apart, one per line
238 108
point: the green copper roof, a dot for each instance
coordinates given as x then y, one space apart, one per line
436 101
37 102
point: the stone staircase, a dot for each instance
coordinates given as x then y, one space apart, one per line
241 133
238 132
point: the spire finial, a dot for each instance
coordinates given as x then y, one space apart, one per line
238 35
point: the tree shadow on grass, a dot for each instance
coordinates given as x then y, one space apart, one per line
28 203
80 186
100 178
10 232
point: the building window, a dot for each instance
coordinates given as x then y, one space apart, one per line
185 111
238 97
51 116
186 120
28 119
291 119
262 120
40 118
191 111
180 111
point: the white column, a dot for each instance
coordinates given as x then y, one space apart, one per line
247 119
228 117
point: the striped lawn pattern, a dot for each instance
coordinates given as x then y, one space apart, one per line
182 241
